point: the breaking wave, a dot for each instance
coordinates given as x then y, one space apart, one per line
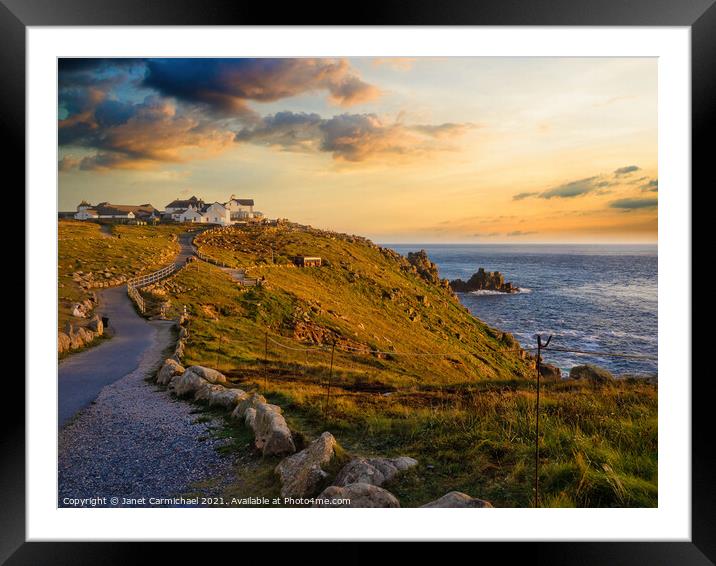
521 291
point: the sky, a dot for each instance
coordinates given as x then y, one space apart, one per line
453 150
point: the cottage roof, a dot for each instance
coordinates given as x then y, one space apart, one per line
242 201
107 209
185 203
207 206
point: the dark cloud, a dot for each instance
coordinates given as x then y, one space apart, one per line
138 135
598 185
634 203
519 233
573 188
446 130
350 137
652 186
197 104
226 85
626 170
522 196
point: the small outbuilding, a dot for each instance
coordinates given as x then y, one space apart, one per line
307 261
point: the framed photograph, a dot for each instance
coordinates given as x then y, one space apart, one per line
410 277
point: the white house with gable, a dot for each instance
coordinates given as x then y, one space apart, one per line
216 213
240 208
195 210
189 215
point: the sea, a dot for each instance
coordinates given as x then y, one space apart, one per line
592 298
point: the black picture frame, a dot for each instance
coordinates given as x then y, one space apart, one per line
699 15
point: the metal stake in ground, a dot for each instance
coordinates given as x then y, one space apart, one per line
328 388
539 373
266 361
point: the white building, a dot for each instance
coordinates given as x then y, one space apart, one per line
240 208
217 213
178 206
195 210
118 212
189 215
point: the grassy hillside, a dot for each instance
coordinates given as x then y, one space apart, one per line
87 247
413 373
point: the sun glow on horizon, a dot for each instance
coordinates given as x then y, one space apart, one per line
433 150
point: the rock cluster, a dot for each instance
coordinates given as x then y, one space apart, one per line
483 281
272 435
75 337
421 264
94 280
302 474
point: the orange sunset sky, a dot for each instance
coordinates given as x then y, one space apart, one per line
400 150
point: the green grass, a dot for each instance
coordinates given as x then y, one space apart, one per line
122 249
467 415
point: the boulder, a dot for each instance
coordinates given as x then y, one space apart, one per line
226 397
302 474
458 499
63 342
169 370
75 341
251 402
78 311
272 433
185 383
374 471
250 418
205 391
591 373
549 371
96 325
210 375
357 495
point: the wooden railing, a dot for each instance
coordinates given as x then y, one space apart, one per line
137 298
144 280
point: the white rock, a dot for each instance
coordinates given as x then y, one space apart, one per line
205 391
374 471
357 495
250 402
226 397
210 375
250 418
185 383
272 433
169 370
302 473
458 499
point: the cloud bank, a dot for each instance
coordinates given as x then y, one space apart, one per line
139 113
350 137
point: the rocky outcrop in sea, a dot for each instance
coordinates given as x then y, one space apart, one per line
484 281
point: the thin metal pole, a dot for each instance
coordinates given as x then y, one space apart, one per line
221 337
266 360
539 357
330 377
539 374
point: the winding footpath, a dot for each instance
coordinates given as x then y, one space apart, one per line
119 435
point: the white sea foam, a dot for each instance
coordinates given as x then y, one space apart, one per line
522 290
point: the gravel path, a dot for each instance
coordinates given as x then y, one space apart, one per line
137 441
